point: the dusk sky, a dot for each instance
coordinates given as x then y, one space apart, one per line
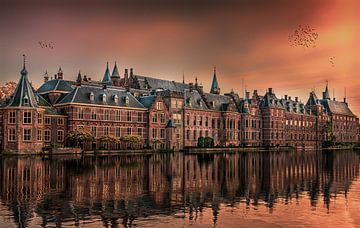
246 40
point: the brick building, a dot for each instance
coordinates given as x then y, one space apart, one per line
165 114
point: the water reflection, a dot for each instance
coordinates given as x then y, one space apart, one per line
120 190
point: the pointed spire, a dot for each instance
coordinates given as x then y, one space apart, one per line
326 94
24 71
106 78
79 79
214 85
23 95
183 81
115 72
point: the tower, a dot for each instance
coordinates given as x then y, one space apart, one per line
115 76
326 92
214 85
106 79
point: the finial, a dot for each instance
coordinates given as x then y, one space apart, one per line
183 78
24 60
196 80
214 69
107 64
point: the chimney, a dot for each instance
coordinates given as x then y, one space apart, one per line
289 97
46 77
126 75
286 97
334 99
270 91
60 73
296 99
131 72
247 95
345 100
55 76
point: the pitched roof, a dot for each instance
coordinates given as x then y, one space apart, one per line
58 85
217 102
336 107
155 83
270 100
194 100
214 85
115 72
106 78
23 95
82 94
147 101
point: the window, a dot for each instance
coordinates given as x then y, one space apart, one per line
195 138
194 120
162 133
159 105
27 117
47 135
177 118
93 114
60 136
39 135
188 134
140 117
12 135
128 116
27 135
206 121
118 132
12 117
201 121
162 118
81 113
154 118
93 131
47 120
187 119
128 130
106 130
40 118
177 133
60 121
154 133
117 115
106 115
140 132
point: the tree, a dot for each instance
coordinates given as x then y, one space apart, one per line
328 134
132 140
200 142
109 139
80 136
208 142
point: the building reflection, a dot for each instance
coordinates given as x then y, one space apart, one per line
120 189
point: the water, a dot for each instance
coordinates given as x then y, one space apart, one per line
262 189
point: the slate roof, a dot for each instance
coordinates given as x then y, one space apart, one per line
336 107
115 72
270 100
106 79
193 100
313 100
216 102
214 84
23 92
293 106
82 93
147 101
155 83
58 85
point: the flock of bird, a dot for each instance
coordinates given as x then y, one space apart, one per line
303 36
332 61
46 45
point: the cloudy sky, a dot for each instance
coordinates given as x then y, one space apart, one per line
247 40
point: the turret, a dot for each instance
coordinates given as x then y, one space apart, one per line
214 85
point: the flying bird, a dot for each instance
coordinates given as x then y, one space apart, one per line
303 36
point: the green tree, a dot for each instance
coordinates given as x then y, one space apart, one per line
208 142
109 139
200 142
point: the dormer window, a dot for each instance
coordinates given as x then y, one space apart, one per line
116 98
92 96
126 100
26 100
103 98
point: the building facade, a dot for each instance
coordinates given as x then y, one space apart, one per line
165 114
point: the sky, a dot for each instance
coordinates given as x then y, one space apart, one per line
247 40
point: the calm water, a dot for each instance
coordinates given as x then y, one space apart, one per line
296 189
